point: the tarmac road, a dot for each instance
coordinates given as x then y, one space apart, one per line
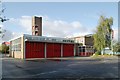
78 67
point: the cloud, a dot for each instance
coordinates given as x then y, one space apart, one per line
1 26
7 35
24 21
62 28
51 27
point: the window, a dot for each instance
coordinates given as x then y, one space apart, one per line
53 39
16 45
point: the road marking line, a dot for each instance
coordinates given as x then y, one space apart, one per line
53 71
39 74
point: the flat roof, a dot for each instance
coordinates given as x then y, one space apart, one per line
47 39
34 38
88 35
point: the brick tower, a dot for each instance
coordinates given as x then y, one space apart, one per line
37 26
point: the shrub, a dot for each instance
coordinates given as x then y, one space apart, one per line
97 53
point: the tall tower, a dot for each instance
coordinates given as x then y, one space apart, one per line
37 26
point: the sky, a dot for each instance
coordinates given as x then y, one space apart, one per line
60 19
60 0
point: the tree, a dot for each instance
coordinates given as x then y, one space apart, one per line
2 31
102 36
2 17
5 48
116 47
80 44
0 47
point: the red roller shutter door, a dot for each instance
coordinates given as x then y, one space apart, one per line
68 50
34 50
27 49
49 50
57 50
41 50
53 50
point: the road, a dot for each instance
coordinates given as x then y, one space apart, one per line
78 67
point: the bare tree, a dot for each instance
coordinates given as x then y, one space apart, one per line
2 17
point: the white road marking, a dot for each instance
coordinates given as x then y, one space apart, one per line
39 74
72 64
53 71
24 68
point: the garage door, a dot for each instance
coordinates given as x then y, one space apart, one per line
68 50
53 50
34 50
57 50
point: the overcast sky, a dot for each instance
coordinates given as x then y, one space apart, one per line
61 19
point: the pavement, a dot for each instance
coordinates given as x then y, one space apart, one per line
69 67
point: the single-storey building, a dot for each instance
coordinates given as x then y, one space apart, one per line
31 46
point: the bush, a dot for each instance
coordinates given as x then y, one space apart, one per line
98 53
5 49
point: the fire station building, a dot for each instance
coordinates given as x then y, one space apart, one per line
38 46
30 46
